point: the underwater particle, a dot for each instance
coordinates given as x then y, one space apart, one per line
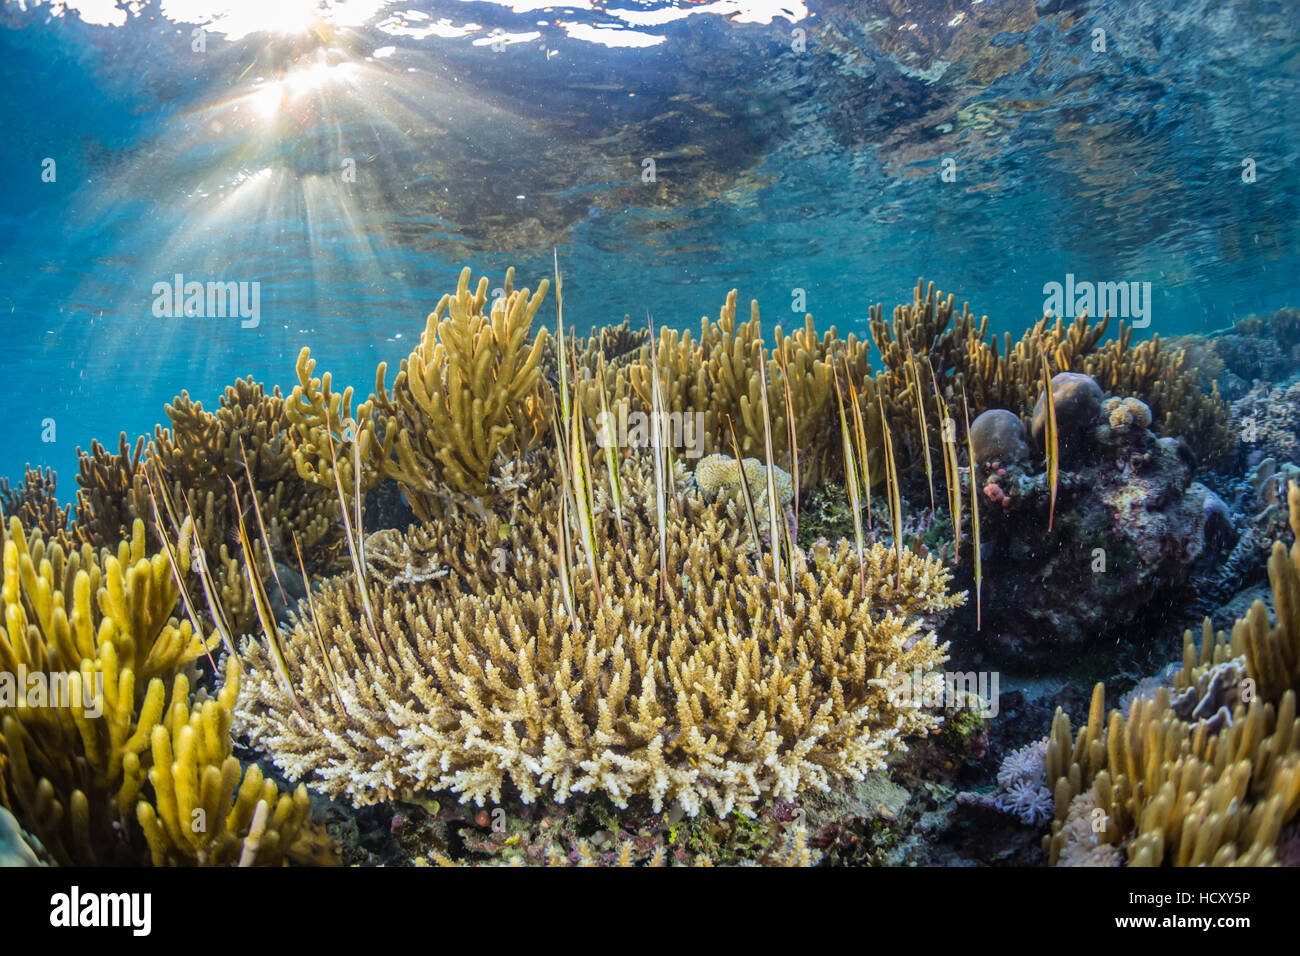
999 435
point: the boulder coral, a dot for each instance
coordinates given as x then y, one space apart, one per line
719 476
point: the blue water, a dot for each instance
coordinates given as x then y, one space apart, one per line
795 147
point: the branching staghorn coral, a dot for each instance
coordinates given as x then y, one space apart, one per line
195 461
35 503
1209 774
480 677
91 742
111 493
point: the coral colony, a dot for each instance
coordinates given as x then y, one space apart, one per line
650 599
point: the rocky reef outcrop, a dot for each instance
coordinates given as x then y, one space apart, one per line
1257 347
1129 530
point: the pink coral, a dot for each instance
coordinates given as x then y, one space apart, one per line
994 493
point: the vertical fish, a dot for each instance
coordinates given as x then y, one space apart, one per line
656 440
262 605
261 526
792 430
580 474
974 516
891 487
915 380
173 561
851 485
315 624
773 502
948 445
611 459
1052 448
863 470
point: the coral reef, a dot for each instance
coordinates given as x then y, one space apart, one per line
202 813
197 460
203 452
719 693
674 694
1205 772
35 503
1130 530
91 741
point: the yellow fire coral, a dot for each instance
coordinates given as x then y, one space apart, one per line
201 812
195 460
90 742
719 378
481 676
1008 375
35 502
471 392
